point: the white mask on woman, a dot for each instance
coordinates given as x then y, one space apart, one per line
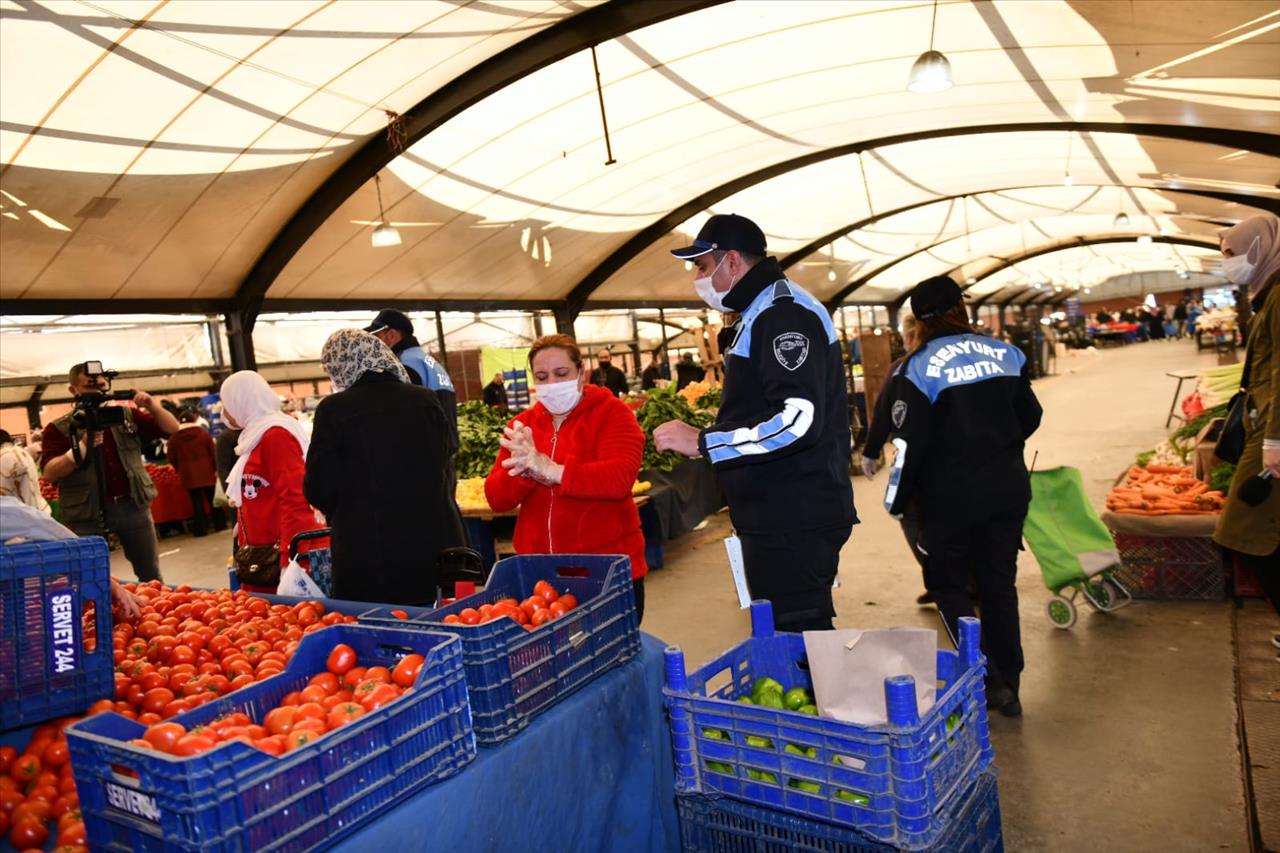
559 398
1237 268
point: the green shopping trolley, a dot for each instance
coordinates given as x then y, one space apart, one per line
1077 555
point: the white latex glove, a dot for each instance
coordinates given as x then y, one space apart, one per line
870 466
535 465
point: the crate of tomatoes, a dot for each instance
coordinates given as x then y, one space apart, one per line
55 629
542 627
360 719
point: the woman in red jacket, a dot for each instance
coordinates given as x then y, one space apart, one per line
266 482
569 463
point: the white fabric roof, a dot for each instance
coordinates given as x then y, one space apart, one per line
153 150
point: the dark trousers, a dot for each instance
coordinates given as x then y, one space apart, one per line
638 586
200 517
794 572
137 534
987 551
1267 570
910 522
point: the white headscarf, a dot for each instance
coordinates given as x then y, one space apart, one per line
252 404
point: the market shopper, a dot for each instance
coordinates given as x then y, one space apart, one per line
18 475
656 370
191 453
608 376
115 455
495 393
962 408
377 470
569 463
265 484
1251 259
780 445
688 371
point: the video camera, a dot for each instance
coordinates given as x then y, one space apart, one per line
91 411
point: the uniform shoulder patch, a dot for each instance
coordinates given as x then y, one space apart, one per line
791 349
898 413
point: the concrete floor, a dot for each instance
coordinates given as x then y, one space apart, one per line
1128 742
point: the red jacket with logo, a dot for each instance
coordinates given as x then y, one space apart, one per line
272 507
591 512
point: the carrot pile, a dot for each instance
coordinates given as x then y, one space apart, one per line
1163 490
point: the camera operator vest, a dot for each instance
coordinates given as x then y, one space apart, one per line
79 492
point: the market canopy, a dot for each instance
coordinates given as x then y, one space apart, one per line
208 156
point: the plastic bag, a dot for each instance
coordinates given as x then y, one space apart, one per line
295 581
1192 406
219 495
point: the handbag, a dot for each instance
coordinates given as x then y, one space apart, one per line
258 565
1230 446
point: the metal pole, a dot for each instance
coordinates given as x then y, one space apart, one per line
444 353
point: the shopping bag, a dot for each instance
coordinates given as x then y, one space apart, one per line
219 495
296 582
848 669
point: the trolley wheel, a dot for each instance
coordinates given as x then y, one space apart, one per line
1103 595
1061 612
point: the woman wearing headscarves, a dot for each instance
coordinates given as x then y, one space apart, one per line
1251 259
376 469
265 484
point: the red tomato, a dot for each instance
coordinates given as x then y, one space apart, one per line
315 725
540 617
155 699
64 804
354 676
406 671
273 745
378 673
55 754
343 713
100 707
569 600
380 695
542 585
314 693
193 744
308 709
399 614
548 594
341 660
326 681
280 720
26 767
163 736
293 740
557 609
44 793
469 616
451 619
532 604
70 816
28 834
10 800
31 810
73 833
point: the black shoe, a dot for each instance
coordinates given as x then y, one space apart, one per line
924 598
998 697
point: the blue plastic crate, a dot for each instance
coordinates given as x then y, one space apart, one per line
719 825
895 782
236 797
49 665
513 674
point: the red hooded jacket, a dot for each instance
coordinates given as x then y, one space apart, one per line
591 512
273 508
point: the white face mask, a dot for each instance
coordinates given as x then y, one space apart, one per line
706 289
1237 268
559 398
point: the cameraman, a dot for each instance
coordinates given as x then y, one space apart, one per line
128 487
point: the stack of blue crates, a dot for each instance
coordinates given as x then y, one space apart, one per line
899 784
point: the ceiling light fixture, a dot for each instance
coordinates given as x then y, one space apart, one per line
384 235
931 72
1144 240
1122 218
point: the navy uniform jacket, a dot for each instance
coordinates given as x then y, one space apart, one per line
962 408
426 371
780 444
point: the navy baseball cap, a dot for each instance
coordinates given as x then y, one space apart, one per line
389 318
725 232
934 297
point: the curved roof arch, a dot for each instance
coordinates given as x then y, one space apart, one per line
554 151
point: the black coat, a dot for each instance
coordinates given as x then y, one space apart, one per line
376 469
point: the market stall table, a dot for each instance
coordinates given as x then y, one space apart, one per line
593 773
1182 376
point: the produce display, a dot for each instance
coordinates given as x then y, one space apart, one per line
163 474
701 395
479 428
1220 477
189 647
470 493
545 605
1218 321
662 405
1163 490
768 692
38 799
48 490
341 693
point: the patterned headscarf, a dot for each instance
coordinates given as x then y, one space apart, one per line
349 354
